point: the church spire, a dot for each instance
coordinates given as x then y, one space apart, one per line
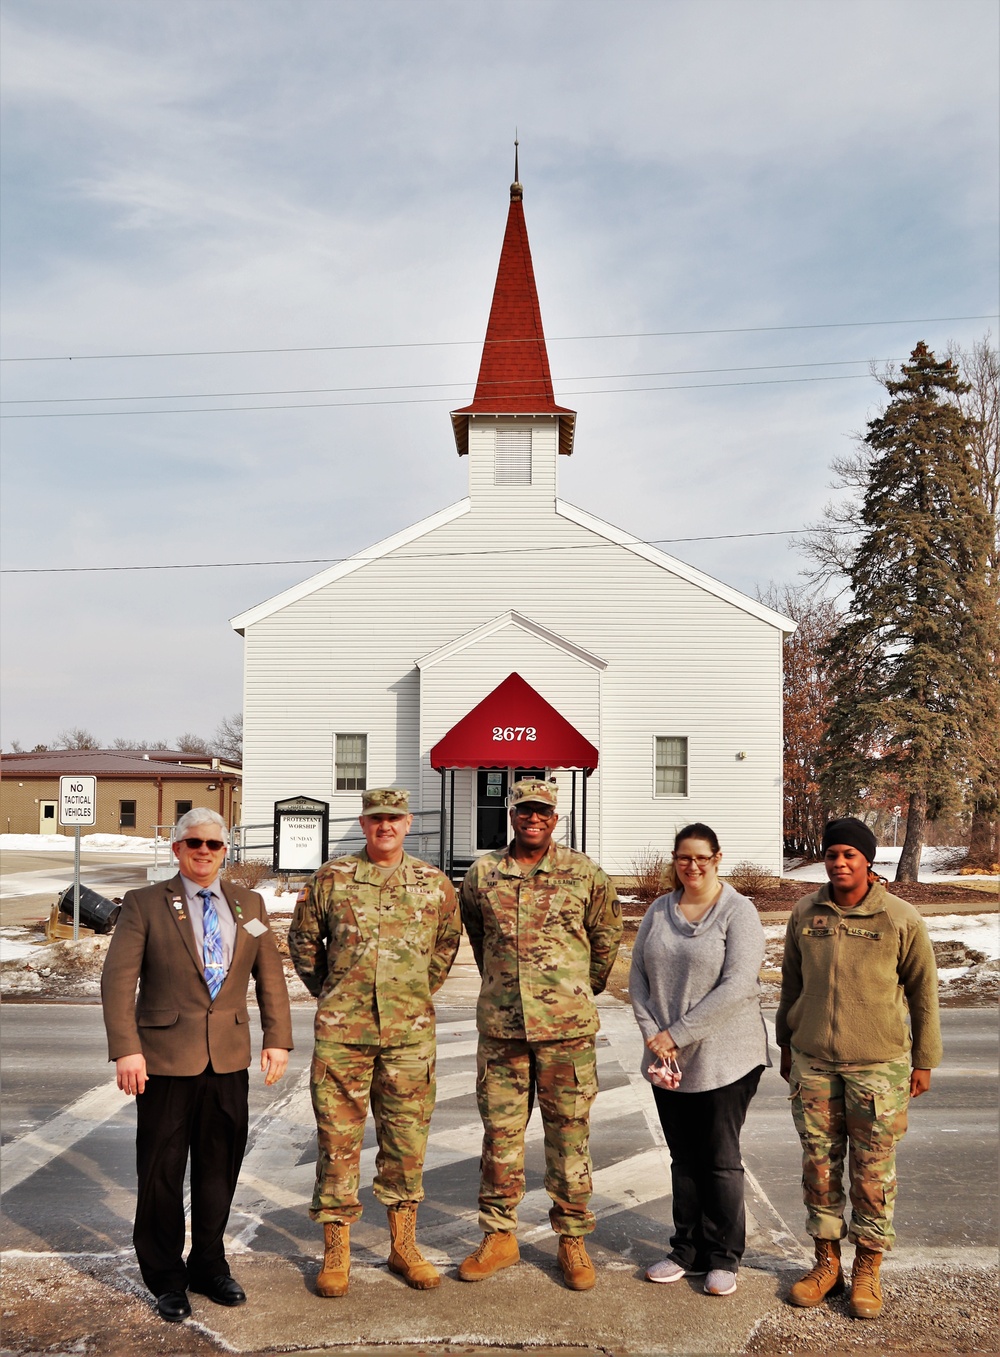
514 377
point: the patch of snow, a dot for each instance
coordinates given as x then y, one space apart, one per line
93 843
275 903
979 931
931 868
15 945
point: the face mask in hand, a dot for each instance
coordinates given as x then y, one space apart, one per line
666 1073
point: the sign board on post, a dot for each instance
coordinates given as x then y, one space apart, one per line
301 834
78 800
77 806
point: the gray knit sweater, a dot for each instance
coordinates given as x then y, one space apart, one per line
702 982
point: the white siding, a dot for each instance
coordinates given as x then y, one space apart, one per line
685 657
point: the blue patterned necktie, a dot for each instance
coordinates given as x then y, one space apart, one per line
212 948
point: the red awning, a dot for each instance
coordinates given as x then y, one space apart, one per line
514 727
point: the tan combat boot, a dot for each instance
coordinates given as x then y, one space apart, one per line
496 1251
335 1274
825 1279
577 1269
405 1258
866 1290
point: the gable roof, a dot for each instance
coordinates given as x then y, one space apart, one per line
514 376
53 763
680 568
568 511
336 572
511 618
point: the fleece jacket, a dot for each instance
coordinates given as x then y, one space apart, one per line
850 978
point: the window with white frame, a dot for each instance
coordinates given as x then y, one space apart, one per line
512 464
350 763
671 765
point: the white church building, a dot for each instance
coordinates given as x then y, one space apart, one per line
651 692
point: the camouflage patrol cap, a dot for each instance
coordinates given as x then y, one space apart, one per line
385 801
534 789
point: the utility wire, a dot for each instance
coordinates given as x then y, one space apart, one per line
415 556
415 400
454 343
430 386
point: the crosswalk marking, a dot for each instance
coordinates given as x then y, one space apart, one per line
22 1157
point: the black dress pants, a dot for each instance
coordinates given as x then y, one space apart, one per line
706 1171
204 1115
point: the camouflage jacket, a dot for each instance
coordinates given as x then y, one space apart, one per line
372 951
544 940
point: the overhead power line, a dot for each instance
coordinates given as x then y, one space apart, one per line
457 343
414 400
415 556
430 386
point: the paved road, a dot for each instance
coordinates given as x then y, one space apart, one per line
68 1176
31 879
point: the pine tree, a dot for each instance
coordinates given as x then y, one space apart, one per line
912 671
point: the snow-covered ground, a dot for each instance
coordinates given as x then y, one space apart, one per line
932 867
92 843
980 931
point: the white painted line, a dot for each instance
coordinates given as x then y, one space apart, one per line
22 1157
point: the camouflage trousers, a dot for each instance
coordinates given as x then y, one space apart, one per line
564 1073
863 1110
399 1081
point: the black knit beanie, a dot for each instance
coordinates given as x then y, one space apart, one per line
851 832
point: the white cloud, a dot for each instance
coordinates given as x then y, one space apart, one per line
245 175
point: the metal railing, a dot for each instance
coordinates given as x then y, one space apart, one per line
257 841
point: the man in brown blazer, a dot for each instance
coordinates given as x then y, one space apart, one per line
182 1048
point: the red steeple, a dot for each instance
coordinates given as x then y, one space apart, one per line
514 377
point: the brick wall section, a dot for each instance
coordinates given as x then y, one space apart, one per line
20 797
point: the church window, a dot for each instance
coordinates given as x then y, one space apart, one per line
351 759
671 765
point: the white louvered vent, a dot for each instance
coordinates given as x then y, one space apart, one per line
513 457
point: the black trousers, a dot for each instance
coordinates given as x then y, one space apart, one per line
205 1115
706 1171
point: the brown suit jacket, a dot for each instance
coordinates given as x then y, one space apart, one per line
174 1022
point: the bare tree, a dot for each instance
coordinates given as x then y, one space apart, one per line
77 738
229 738
806 690
981 405
192 744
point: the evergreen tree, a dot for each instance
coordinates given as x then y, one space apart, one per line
912 675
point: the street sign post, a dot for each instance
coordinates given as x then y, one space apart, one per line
77 806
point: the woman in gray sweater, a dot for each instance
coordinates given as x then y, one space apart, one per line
696 994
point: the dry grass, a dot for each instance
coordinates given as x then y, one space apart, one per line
249 873
750 879
654 875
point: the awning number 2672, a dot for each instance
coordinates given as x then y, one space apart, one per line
512 734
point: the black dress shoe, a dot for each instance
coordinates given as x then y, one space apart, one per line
173 1305
224 1290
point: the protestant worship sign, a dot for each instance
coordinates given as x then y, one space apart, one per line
78 800
301 834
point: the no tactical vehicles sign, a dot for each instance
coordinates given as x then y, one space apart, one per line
78 800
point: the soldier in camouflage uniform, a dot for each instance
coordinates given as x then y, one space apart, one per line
373 936
858 963
544 923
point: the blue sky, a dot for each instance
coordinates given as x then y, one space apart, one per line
187 178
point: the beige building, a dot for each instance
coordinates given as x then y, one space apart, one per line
136 792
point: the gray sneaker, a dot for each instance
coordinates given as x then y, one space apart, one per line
669 1271
720 1283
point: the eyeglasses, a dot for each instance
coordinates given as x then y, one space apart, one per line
213 844
527 811
694 861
